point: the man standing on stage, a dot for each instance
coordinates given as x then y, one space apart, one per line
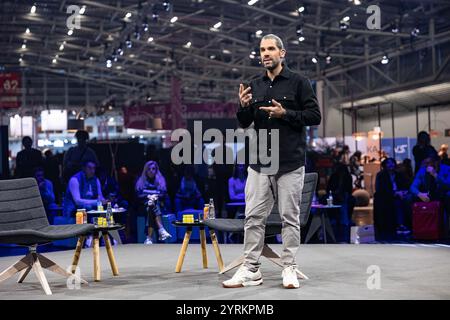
277 100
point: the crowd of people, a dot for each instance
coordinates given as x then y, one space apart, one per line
79 181
397 186
76 180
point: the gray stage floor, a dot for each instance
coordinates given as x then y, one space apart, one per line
336 271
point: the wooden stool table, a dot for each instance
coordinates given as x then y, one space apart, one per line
187 237
104 232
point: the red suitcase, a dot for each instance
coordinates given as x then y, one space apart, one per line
428 220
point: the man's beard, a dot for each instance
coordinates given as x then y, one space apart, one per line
273 66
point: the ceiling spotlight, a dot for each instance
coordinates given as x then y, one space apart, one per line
259 33
394 27
119 67
137 34
145 25
166 6
150 39
301 9
128 15
226 51
385 60
346 19
20 59
28 30
314 60
70 32
174 19
24 46
128 42
343 25
91 58
328 59
188 45
54 60
415 32
82 10
61 47
108 63
212 57
252 2
33 9
155 16
301 38
217 25
251 56
148 98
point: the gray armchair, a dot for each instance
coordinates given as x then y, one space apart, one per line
23 221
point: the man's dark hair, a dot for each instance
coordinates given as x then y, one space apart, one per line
27 138
82 135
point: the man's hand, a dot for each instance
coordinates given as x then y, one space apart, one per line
277 111
245 95
432 171
423 196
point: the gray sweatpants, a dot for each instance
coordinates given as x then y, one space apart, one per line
260 190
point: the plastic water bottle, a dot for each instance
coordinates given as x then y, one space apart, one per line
330 199
212 213
109 214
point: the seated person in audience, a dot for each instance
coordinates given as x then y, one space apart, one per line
188 195
432 183
340 186
236 188
110 189
84 190
45 188
391 210
152 182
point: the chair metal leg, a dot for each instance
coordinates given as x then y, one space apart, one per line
275 258
315 225
271 255
23 274
40 275
52 266
20 265
234 264
116 236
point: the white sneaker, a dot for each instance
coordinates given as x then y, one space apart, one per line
244 278
163 234
148 241
290 280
